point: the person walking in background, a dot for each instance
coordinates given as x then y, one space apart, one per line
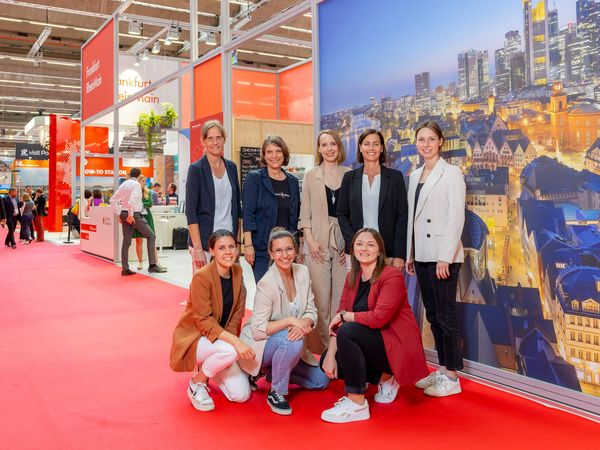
323 241
127 204
207 333
374 336
172 197
32 230
40 213
271 198
212 194
27 218
10 215
374 196
147 215
284 313
436 197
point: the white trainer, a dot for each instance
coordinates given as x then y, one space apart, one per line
429 380
443 387
387 391
345 410
198 395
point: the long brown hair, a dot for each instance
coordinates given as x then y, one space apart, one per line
355 265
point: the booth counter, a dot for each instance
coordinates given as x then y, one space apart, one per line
98 231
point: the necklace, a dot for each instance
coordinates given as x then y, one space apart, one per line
329 190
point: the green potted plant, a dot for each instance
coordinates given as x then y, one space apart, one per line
150 125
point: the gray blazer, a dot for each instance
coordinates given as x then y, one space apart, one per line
271 303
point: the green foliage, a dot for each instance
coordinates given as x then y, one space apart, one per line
150 124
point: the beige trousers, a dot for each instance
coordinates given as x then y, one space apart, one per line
327 280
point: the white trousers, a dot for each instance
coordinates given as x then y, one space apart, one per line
218 361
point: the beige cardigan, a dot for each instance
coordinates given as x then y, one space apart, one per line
271 303
313 207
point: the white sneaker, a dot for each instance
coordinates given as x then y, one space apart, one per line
387 390
140 265
443 387
429 380
345 410
198 395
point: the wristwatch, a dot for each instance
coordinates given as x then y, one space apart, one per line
342 315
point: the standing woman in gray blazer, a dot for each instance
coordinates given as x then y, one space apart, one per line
323 240
436 215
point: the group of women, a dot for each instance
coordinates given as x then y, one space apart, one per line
347 302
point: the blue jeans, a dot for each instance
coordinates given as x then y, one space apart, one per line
25 223
282 356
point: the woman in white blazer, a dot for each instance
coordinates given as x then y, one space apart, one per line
284 313
323 247
436 216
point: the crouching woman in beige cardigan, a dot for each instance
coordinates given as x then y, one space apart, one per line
284 313
207 333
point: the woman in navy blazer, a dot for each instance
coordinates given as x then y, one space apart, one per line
436 194
271 199
385 209
206 181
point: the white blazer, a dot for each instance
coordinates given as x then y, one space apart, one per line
439 216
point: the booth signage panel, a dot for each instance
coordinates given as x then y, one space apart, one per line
103 167
30 151
528 296
249 160
97 72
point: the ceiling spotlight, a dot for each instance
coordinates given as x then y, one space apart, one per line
135 28
211 39
172 35
136 62
145 56
156 48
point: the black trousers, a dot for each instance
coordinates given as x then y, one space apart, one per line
11 224
360 357
439 299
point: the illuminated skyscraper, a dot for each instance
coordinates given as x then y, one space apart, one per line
535 30
473 74
422 91
588 33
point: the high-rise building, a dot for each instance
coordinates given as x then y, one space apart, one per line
422 92
554 53
535 30
588 33
518 71
512 45
473 74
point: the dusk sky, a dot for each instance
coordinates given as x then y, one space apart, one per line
373 48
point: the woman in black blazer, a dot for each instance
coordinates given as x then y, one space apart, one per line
374 196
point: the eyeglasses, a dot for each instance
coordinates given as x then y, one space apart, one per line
280 252
215 139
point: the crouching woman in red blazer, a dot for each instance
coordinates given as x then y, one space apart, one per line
374 336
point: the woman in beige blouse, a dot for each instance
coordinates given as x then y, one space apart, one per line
323 241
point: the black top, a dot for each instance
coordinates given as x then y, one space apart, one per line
40 204
227 290
361 301
282 193
417 192
332 196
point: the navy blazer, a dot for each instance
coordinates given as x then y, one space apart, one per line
7 210
260 206
200 198
393 209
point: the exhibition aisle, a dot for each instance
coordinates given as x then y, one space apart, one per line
85 365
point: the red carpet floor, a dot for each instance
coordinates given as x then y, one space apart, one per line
84 365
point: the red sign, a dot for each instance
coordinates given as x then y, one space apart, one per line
88 227
97 72
196 151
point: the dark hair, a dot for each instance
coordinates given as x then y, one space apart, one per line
338 141
97 193
28 186
218 234
362 137
12 189
433 126
212 124
39 190
355 265
277 141
157 185
87 193
172 186
135 172
280 233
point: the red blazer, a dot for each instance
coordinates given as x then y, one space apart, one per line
390 312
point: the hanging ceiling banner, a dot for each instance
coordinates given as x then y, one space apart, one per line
97 72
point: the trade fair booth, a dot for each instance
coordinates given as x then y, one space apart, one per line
515 333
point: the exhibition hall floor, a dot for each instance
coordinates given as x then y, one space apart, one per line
84 357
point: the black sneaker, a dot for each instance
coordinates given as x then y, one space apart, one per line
253 380
155 268
278 403
127 272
